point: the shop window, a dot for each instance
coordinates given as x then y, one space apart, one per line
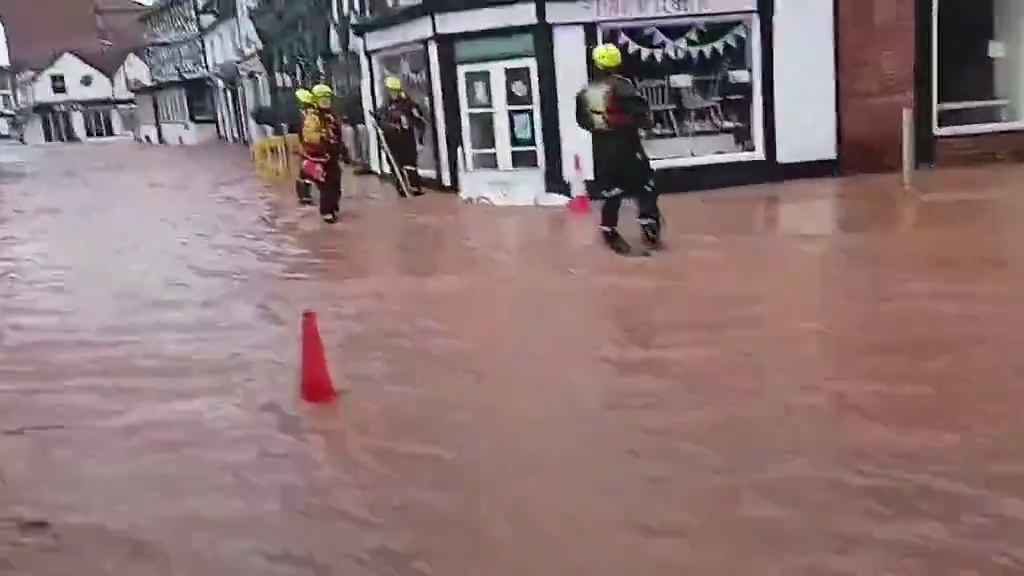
172 106
701 78
979 65
97 123
410 65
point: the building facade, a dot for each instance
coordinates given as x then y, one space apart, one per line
305 42
253 78
178 107
73 100
956 64
741 90
7 91
237 74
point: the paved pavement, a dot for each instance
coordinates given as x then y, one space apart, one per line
821 377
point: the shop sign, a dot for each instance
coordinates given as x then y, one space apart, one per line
618 9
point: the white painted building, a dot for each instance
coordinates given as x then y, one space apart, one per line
255 82
741 90
71 100
237 74
7 93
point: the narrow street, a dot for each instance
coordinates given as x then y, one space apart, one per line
819 377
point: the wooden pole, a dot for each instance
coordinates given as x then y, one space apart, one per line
909 159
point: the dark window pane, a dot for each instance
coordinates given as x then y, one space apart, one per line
200 103
518 87
524 159
481 131
485 160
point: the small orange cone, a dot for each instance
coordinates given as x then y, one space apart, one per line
580 203
316 380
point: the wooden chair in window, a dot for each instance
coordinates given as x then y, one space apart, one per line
695 105
656 92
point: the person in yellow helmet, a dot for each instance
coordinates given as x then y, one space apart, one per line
403 124
305 181
614 112
322 146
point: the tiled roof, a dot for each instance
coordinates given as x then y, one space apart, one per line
102 32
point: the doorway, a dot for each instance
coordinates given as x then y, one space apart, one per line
500 115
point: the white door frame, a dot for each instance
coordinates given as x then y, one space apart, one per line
500 109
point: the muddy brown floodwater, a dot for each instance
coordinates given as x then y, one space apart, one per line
823 377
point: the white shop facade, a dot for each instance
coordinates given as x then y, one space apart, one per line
741 91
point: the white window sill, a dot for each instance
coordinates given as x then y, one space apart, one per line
979 129
663 163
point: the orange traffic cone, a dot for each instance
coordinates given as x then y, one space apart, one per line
580 203
316 380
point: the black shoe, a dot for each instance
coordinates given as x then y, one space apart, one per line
652 236
417 192
302 191
616 242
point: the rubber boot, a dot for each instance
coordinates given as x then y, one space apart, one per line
302 190
615 241
652 235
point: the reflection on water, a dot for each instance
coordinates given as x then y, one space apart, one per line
816 378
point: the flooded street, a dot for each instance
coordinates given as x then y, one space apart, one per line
821 377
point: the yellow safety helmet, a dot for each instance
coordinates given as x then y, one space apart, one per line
607 57
304 96
322 91
324 95
393 83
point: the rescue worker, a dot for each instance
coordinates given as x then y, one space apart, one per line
321 142
400 120
304 182
614 111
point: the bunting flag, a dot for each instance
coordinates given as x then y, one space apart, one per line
408 76
694 33
681 48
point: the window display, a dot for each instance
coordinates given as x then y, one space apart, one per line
410 65
699 77
979 78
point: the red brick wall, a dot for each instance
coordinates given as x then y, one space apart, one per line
963 150
876 80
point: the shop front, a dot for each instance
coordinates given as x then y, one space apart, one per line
475 75
409 63
740 91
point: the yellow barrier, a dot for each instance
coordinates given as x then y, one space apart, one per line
277 158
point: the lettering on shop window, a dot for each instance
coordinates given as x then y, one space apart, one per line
629 8
611 9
